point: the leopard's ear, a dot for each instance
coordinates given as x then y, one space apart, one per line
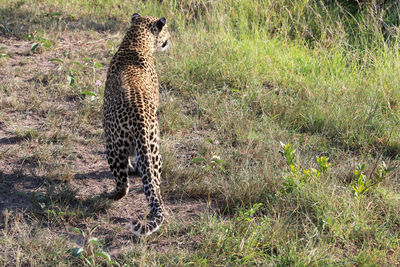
134 17
161 23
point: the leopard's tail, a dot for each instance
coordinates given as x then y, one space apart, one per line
149 167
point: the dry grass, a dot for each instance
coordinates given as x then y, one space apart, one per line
240 78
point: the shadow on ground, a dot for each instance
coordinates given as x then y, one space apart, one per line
14 190
11 140
20 192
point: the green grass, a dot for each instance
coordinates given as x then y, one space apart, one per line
241 77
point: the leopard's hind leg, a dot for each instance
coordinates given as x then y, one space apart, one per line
117 157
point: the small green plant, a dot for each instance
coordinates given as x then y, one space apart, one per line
56 60
38 41
298 176
4 55
91 248
244 236
364 183
89 93
34 46
28 134
248 215
288 153
213 163
323 164
57 216
71 78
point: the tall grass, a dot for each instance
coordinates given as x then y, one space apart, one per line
341 82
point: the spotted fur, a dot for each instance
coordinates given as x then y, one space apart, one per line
130 115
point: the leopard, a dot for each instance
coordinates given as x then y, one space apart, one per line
130 122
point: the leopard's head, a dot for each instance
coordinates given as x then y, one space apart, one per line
151 31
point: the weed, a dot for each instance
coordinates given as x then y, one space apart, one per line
91 249
297 176
242 240
28 134
364 183
288 153
323 164
212 163
39 42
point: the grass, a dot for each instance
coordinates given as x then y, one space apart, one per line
240 78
